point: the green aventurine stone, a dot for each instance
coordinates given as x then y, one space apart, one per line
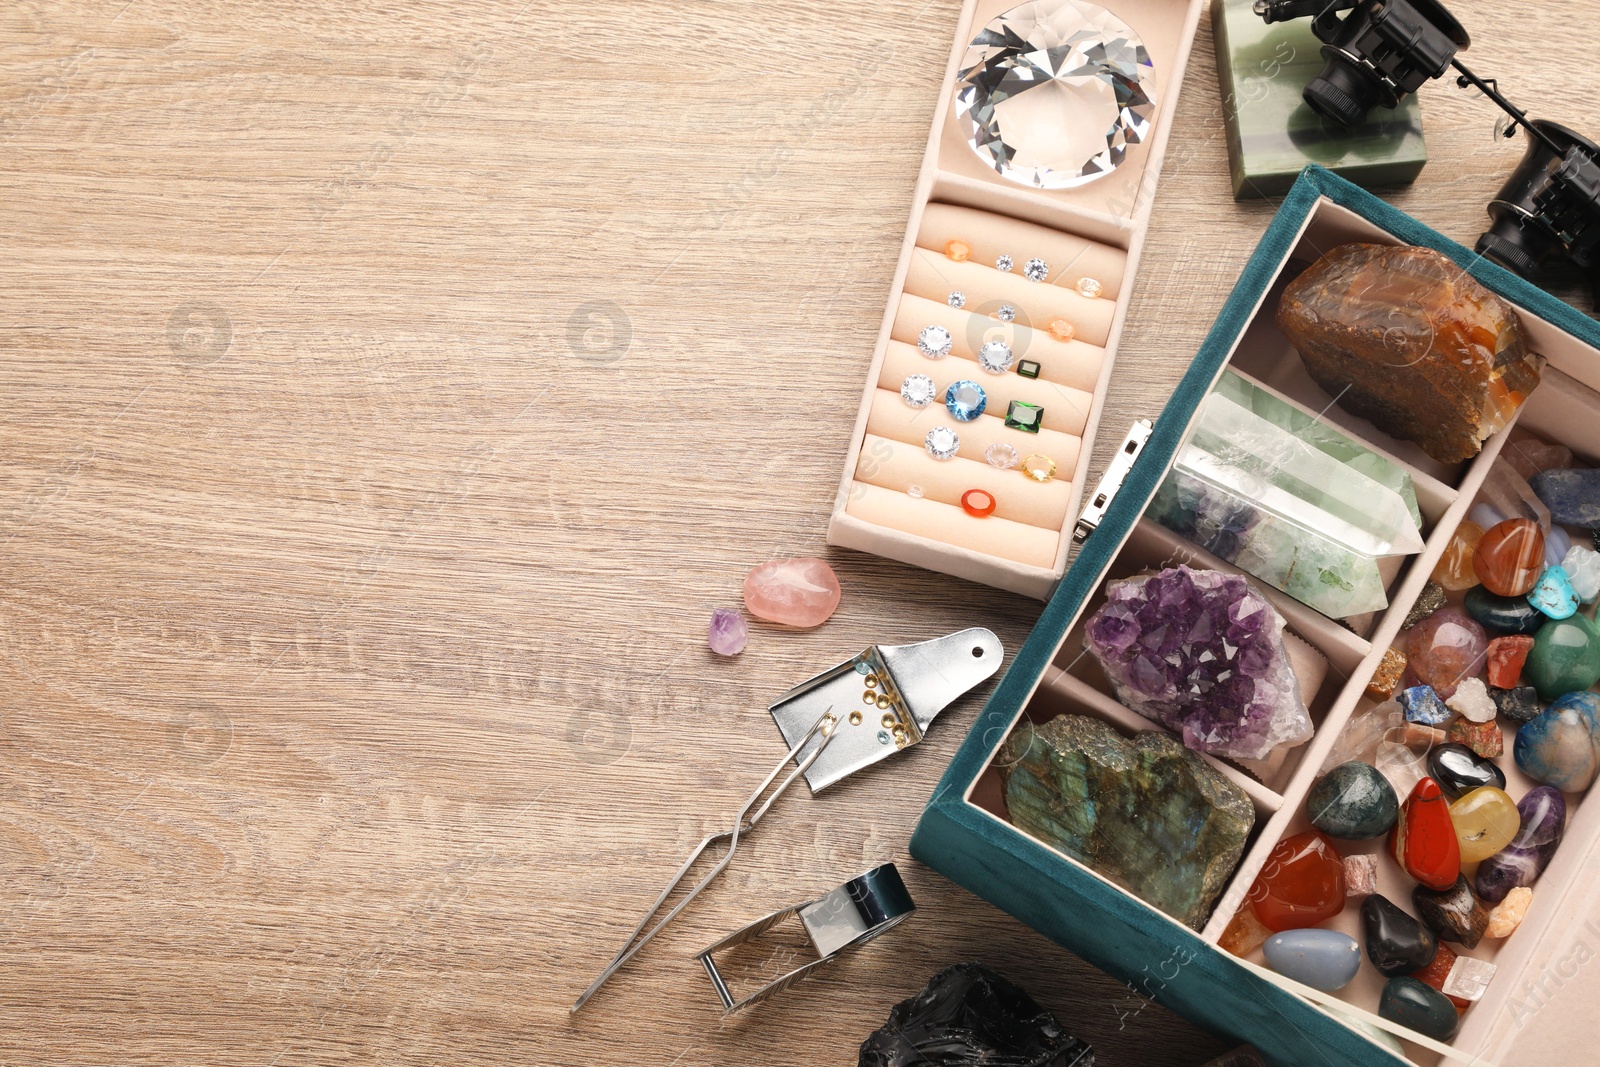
1024 416
1565 657
1146 813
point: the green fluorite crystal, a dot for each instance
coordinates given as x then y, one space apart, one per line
1146 813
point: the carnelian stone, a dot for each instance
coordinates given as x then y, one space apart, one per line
1423 840
1436 972
1506 657
1454 569
1301 884
1510 557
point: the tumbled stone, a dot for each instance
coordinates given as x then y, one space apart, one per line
1483 516
1471 701
1486 821
728 632
1201 652
1565 657
1454 569
795 592
1445 648
1360 875
1423 705
1419 1007
1519 704
1502 614
1459 770
1404 338
1561 746
1507 915
1353 802
1423 840
1321 959
1509 557
1453 913
1396 943
968 1016
1510 494
1572 495
1387 677
1528 455
1557 543
1468 980
1553 594
1301 884
1430 600
1505 659
1244 933
1146 813
1484 738
1542 813
1437 973
1582 565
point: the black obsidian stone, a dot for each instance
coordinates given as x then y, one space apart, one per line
1502 614
969 1016
1396 943
1517 705
1459 770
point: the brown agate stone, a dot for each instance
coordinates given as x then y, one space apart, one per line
1407 340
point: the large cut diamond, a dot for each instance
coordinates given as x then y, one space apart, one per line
1053 92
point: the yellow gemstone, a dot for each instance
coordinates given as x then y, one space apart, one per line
1039 467
1486 820
1454 569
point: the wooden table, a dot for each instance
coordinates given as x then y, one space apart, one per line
391 391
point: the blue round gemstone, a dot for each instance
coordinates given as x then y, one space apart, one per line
965 400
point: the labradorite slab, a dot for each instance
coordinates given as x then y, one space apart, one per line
1146 813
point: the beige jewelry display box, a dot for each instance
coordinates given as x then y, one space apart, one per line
1093 231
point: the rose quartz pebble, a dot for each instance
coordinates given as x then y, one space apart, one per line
795 592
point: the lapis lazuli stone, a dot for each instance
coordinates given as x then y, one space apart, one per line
965 400
1561 746
1321 959
1553 594
1573 496
1423 705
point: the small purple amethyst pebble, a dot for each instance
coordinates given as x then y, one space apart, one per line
729 632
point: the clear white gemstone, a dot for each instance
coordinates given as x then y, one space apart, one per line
1001 455
1036 270
1003 263
1052 93
918 390
1006 313
934 342
941 442
995 357
914 491
1088 287
957 299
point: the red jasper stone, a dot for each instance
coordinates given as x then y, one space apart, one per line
1423 840
1506 657
1436 972
1301 884
1510 557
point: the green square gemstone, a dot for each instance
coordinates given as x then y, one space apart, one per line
1027 368
1025 417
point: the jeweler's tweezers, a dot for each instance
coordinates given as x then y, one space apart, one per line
823 728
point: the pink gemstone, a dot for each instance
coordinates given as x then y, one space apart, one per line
795 592
1446 648
728 632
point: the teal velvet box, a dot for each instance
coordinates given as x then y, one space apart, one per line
964 834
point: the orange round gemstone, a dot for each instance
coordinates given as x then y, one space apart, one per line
1061 329
1454 569
978 502
1510 557
959 251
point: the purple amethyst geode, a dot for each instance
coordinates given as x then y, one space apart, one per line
1202 652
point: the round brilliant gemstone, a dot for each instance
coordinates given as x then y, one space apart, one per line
934 342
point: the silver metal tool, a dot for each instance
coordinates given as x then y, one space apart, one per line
848 717
1116 473
853 914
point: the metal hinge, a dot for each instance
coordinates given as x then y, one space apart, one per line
1116 473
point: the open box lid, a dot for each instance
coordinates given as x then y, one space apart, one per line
1549 961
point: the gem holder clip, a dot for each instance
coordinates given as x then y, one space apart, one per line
850 915
1111 481
834 730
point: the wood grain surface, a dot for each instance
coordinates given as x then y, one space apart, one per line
390 392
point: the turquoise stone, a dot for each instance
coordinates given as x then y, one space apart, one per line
1553 594
1503 614
1565 657
1025 417
1561 746
965 400
1354 801
1321 959
1146 813
1422 705
1417 1005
